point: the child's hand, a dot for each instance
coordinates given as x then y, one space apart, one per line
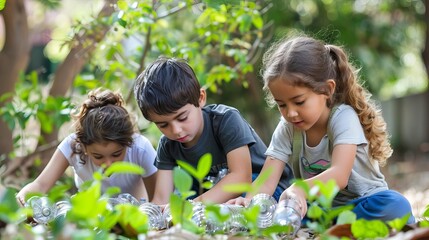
296 193
20 199
239 201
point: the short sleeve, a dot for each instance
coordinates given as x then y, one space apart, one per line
65 147
164 160
143 154
234 131
281 142
345 127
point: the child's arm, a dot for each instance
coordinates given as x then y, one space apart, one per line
50 174
150 183
164 187
343 157
275 167
240 171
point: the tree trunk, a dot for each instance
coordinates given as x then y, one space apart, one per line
72 66
13 60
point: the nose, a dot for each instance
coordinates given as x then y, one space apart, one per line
108 162
291 112
176 128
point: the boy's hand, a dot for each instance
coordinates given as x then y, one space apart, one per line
239 201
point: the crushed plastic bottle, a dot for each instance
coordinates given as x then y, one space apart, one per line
288 213
128 198
236 221
215 179
62 209
123 198
154 214
267 206
44 210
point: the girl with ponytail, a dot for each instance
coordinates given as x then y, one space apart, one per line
329 129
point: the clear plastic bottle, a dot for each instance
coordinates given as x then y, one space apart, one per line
236 221
44 210
166 215
154 214
128 198
215 179
62 209
267 206
288 213
198 214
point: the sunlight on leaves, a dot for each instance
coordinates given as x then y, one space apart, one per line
399 223
123 167
364 229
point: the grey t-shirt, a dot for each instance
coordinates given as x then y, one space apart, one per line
224 130
344 128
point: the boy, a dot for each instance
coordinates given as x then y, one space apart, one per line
169 94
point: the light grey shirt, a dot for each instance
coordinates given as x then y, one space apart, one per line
343 128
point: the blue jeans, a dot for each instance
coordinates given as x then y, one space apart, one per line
385 205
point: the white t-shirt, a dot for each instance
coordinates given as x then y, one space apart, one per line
345 128
140 153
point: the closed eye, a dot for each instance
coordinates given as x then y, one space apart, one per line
182 119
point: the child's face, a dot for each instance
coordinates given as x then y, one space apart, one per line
300 106
105 153
185 125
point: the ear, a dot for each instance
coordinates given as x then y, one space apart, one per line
331 85
203 97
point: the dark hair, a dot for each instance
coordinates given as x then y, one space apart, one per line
165 86
308 62
102 117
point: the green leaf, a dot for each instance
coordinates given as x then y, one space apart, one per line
237 188
86 204
346 217
2 4
182 180
204 165
123 167
257 21
131 219
58 192
399 223
369 229
207 185
214 212
188 167
180 209
314 211
261 179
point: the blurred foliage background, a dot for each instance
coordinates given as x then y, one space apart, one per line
53 52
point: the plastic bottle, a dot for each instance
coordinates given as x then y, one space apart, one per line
62 209
236 221
128 198
267 206
288 213
215 179
44 210
154 214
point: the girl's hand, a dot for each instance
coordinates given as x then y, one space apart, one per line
239 201
20 198
296 193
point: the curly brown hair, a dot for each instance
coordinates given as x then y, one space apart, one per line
102 117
